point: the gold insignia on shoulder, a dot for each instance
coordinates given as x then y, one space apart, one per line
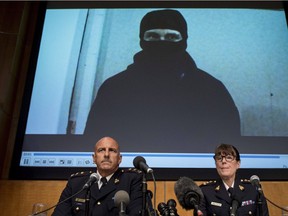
74 174
205 183
83 173
208 183
133 170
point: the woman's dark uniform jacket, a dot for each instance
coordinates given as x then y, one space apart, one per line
101 201
218 202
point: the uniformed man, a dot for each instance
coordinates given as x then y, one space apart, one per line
219 194
107 158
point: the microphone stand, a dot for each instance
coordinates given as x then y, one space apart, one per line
144 192
195 211
122 211
87 201
259 203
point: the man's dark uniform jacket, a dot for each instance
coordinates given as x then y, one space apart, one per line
218 202
101 201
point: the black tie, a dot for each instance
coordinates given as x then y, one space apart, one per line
104 181
231 191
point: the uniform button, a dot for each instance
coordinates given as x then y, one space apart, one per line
77 208
98 203
250 213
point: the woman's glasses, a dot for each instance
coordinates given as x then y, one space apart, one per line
228 158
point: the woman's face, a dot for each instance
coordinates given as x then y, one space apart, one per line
226 166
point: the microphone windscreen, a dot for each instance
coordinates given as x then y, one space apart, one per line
163 209
187 187
150 194
121 196
94 176
254 179
92 179
171 202
137 160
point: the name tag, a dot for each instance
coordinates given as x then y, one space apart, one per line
216 204
80 200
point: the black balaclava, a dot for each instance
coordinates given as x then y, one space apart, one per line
164 19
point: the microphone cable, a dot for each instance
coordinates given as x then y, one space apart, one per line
154 198
45 210
254 179
277 206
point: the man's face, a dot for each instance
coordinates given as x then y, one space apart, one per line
226 166
162 35
107 156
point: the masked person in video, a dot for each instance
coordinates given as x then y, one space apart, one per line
220 194
163 99
107 159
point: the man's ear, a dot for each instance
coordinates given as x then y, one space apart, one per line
93 157
120 159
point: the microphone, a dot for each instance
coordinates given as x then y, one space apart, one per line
140 163
236 201
93 178
150 194
163 209
171 203
121 200
255 181
188 193
235 205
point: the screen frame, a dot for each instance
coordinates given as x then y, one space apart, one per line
59 173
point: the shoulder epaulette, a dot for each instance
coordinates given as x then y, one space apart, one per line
131 170
79 174
208 183
245 181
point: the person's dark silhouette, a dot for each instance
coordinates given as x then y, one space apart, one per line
163 102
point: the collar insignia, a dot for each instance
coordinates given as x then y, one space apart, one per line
116 181
241 187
